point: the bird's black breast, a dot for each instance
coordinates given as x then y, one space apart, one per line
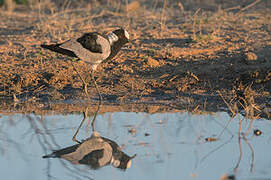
89 41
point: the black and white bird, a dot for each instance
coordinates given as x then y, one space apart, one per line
93 48
95 152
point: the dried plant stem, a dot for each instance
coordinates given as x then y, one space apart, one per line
163 19
194 23
250 5
232 109
9 4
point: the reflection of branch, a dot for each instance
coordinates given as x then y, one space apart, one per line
220 146
252 153
52 138
243 136
34 126
4 138
45 143
240 146
197 159
225 127
8 140
195 132
217 148
240 156
74 172
249 127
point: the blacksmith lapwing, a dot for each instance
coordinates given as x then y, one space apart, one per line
92 48
95 152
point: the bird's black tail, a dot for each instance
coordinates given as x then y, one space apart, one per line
53 155
58 49
61 152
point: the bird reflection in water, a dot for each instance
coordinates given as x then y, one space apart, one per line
95 151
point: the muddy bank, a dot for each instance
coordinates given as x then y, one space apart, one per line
191 103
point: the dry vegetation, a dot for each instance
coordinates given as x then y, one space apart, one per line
188 54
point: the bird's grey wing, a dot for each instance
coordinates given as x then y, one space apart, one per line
89 42
92 51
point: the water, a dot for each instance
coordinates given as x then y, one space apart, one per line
168 146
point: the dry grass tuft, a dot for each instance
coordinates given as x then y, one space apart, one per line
242 100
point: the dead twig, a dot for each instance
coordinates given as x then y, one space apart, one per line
194 23
250 5
231 107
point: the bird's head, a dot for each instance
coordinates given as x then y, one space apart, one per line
122 160
119 36
122 34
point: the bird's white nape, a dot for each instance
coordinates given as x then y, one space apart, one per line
126 34
112 37
115 162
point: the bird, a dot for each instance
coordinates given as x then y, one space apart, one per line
92 48
96 152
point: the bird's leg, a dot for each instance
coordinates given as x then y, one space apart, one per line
85 116
94 118
100 98
96 86
83 120
82 79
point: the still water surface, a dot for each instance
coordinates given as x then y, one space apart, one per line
168 146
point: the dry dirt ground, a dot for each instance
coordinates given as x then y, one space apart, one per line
181 56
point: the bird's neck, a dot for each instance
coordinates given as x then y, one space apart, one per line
116 43
112 37
115 48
